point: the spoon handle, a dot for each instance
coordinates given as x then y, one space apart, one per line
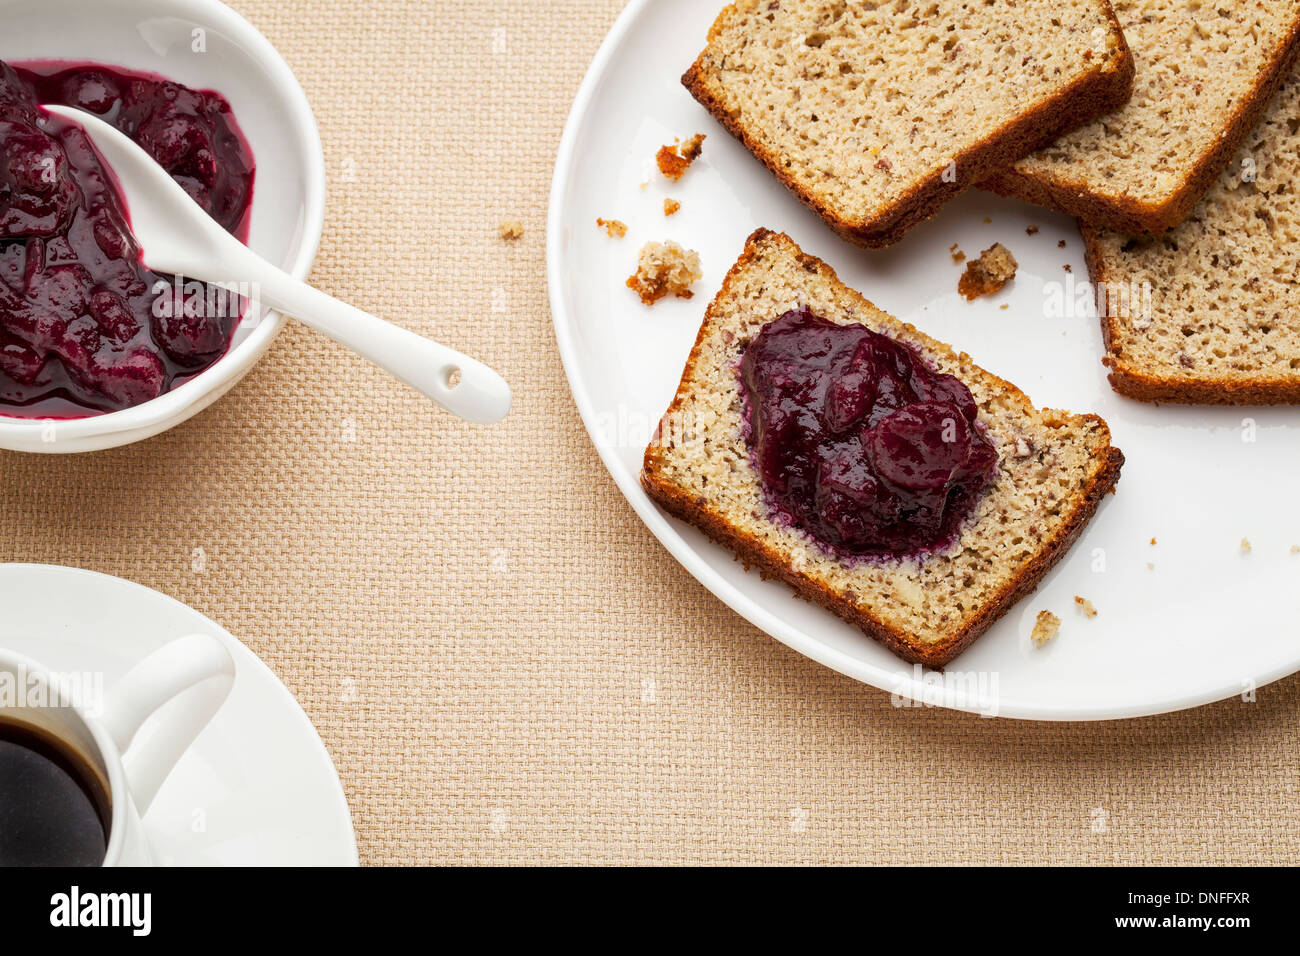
180 239
478 395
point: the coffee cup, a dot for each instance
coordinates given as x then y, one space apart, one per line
76 772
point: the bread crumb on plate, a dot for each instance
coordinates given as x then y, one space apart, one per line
1046 627
676 159
1246 546
957 255
986 275
671 206
613 228
1031 230
510 229
663 268
1085 606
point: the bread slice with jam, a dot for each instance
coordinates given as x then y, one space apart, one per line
1052 470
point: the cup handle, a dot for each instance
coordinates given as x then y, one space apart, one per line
185 663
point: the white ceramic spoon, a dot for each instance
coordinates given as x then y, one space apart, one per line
178 238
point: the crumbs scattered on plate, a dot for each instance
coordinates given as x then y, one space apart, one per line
665 268
613 228
676 159
1046 626
986 275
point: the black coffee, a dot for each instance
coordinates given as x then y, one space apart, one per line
53 810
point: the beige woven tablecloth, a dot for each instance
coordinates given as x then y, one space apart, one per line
505 665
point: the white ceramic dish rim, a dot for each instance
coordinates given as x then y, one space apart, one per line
226 371
660 525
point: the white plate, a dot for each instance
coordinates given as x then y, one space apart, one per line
288 192
257 788
1208 622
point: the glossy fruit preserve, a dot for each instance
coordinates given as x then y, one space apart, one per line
84 327
857 441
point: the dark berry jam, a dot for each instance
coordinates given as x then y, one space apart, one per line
84 327
857 441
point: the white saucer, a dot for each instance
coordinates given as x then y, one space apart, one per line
257 788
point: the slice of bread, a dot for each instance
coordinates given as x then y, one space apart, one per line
1209 313
1205 74
877 113
1053 469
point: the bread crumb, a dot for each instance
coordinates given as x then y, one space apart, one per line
510 229
957 255
1153 542
1004 307
676 159
1085 606
1067 267
671 206
1031 231
1046 627
1061 244
663 268
613 228
987 220
1150 566
1295 549
1246 546
995 267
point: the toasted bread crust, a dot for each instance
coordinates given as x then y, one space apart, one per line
771 564
1100 91
1134 382
1133 216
